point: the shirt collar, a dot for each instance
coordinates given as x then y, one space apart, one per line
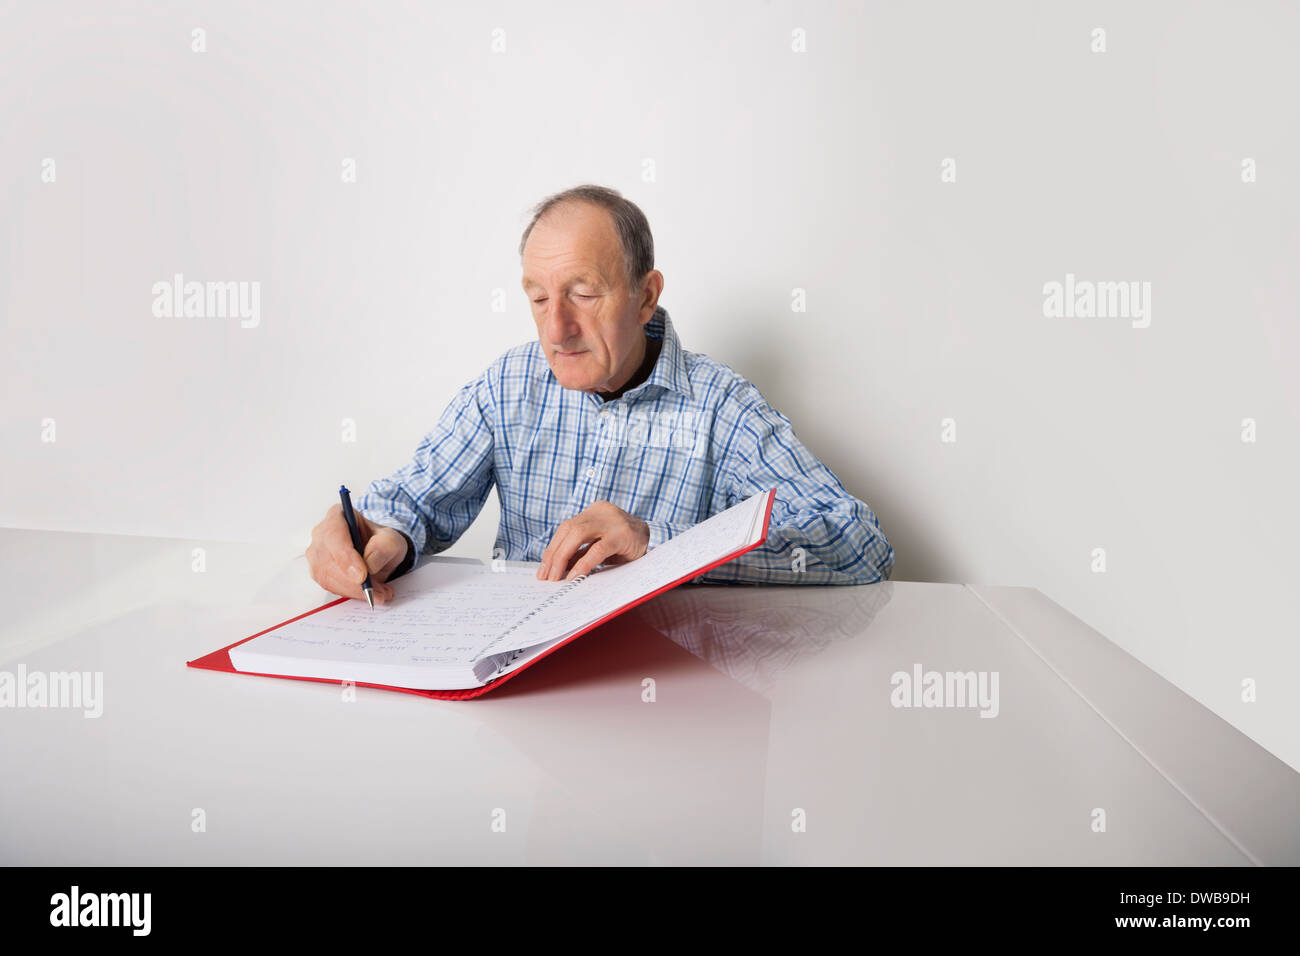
670 369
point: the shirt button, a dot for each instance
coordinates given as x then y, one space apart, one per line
591 472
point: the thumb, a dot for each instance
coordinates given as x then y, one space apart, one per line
384 550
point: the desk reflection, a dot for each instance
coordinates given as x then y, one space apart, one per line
754 634
626 777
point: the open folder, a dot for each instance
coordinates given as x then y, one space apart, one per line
454 630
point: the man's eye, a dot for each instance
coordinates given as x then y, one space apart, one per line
581 296
539 300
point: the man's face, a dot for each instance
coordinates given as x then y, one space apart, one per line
574 275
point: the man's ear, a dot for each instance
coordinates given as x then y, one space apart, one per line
652 288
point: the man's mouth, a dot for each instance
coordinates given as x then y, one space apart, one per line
570 354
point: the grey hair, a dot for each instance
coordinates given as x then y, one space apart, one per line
629 222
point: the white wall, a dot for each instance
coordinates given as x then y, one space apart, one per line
772 170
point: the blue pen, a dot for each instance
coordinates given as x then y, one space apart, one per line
350 517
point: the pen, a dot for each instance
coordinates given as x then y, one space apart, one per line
350 517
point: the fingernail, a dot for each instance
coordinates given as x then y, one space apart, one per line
354 571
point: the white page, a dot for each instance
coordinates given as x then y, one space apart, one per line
442 614
615 587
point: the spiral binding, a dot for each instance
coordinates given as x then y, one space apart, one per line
551 599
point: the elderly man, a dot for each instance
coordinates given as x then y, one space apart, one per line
604 437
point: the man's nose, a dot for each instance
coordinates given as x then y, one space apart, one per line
560 326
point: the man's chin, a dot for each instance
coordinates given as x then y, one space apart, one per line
577 383
573 379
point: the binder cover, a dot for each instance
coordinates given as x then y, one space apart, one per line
220 660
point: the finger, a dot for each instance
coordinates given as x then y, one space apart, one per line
336 539
325 569
328 578
347 570
342 577
565 549
346 582
594 556
548 556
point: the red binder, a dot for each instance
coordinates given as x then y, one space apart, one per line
220 660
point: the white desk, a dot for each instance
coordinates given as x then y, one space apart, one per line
767 700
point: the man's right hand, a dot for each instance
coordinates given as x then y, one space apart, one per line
335 564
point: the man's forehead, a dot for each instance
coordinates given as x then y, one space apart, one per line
574 242
587 274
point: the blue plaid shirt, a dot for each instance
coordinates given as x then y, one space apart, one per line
692 440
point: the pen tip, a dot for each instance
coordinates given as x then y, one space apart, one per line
370 598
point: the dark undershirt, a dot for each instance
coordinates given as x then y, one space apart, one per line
653 346
642 373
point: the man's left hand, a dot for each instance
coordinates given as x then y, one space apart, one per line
612 536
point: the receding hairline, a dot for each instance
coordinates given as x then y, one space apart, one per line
592 274
630 225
